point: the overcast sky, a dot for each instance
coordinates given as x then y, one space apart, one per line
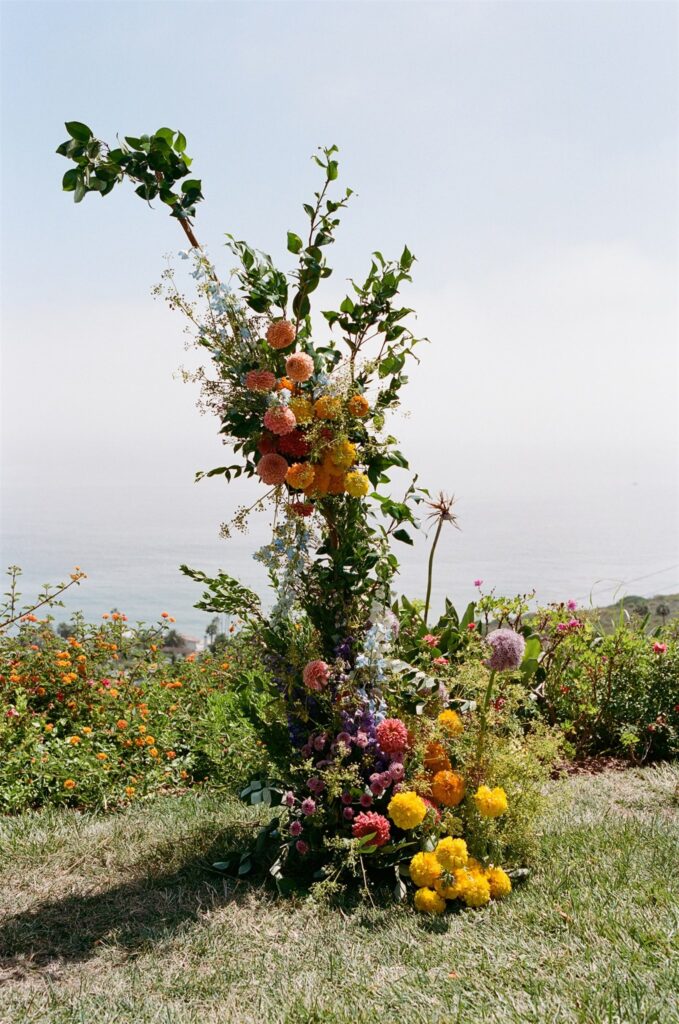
526 152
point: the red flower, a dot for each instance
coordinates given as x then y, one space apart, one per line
392 735
367 823
294 444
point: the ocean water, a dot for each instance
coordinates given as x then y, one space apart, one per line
592 543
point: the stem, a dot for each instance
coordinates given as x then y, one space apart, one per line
430 572
481 742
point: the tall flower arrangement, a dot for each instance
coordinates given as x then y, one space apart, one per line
371 781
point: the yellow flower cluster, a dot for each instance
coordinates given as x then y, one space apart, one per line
491 803
451 722
407 810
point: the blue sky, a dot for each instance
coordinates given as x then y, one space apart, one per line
526 152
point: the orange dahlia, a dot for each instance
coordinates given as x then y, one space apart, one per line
448 788
436 759
359 406
300 475
281 334
260 380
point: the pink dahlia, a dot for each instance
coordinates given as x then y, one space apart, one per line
296 828
281 334
299 367
260 380
366 824
279 419
272 469
316 675
392 735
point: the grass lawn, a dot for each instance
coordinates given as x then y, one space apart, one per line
114 919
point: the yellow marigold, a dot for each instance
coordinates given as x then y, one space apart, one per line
357 484
451 853
359 406
101 756
500 883
436 759
451 722
451 886
153 751
49 727
149 740
491 803
87 729
121 723
448 788
429 902
320 483
476 890
303 408
69 784
327 407
424 869
74 740
343 454
300 475
130 790
407 810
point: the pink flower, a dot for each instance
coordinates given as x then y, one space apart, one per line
361 740
308 806
574 624
316 785
366 824
272 469
366 800
299 366
302 847
288 799
348 813
346 798
440 661
562 627
260 380
320 741
280 420
396 771
477 583
430 640
392 735
345 738
659 648
12 713
376 788
571 605
296 828
316 675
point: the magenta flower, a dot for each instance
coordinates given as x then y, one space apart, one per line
361 740
320 741
571 605
430 640
288 799
308 806
441 662
659 648
346 798
296 828
366 800
348 813
477 583
302 847
396 771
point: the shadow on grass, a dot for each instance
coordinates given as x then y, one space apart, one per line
131 916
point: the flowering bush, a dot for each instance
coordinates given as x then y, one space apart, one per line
99 716
381 774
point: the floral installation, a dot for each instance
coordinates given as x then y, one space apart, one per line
385 774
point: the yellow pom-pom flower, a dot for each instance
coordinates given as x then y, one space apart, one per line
427 901
343 454
448 788
327 407
451 722
300 475
357 484
424 869
451 886
303 409
407 810
500 883
451 853
476 890
491 803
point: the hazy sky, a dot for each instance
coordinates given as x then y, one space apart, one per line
526 152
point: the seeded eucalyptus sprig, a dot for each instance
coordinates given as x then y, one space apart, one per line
153 163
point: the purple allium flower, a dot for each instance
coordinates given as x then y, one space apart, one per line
302 847
478 583
571 605
316 785
348 813
346 798
308 806
288 799
296 828
366 800
507 650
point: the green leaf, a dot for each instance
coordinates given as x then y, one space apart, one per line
70 180
79 131
404 537
295 243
